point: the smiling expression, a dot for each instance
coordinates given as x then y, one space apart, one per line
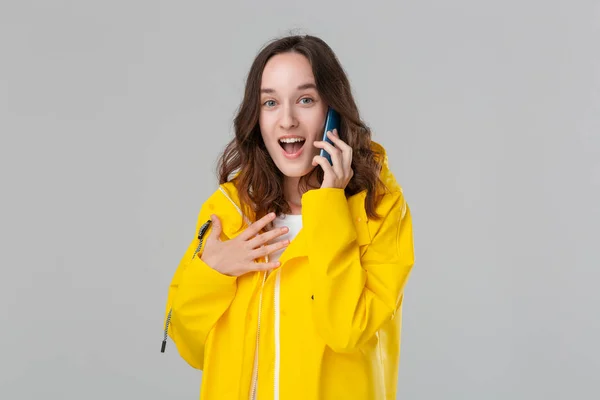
292 114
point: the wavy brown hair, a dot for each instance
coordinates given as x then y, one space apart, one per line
246 160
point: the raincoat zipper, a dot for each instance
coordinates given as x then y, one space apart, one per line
277 338
201 233
254 386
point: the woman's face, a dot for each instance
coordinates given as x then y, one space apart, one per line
292 114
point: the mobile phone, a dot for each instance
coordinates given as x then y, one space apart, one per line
331 122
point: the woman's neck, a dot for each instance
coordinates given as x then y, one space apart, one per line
291 192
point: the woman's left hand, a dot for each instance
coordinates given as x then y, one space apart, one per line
339 174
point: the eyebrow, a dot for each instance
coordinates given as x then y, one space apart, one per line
301 87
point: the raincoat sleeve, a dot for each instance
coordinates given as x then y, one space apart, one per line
198 296
354 295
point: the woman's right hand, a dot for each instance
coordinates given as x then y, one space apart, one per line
237 256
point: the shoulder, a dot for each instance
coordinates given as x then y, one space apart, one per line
224 195
389 193
391 204
225 204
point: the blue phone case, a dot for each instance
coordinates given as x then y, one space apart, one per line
331 122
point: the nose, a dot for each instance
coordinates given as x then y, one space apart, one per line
288 118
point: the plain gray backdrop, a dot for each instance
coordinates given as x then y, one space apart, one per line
113 113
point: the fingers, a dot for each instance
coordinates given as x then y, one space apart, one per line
343 146
339 173
334 152
266 250
341 154
267 237
264 266
322 161
256 227
217 228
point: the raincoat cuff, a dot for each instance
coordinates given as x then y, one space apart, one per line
326 210
317 196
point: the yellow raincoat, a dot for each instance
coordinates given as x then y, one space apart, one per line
324 325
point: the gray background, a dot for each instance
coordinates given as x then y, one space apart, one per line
112 115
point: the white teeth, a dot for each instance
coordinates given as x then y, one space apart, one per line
291 140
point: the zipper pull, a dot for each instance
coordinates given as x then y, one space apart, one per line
201 233
164 342
203 229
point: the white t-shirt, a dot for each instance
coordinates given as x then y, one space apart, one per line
294 224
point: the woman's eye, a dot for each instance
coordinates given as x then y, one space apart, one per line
306 100
269 103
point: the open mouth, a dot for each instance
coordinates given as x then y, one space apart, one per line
292 145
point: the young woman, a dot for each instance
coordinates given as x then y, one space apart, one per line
292 286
